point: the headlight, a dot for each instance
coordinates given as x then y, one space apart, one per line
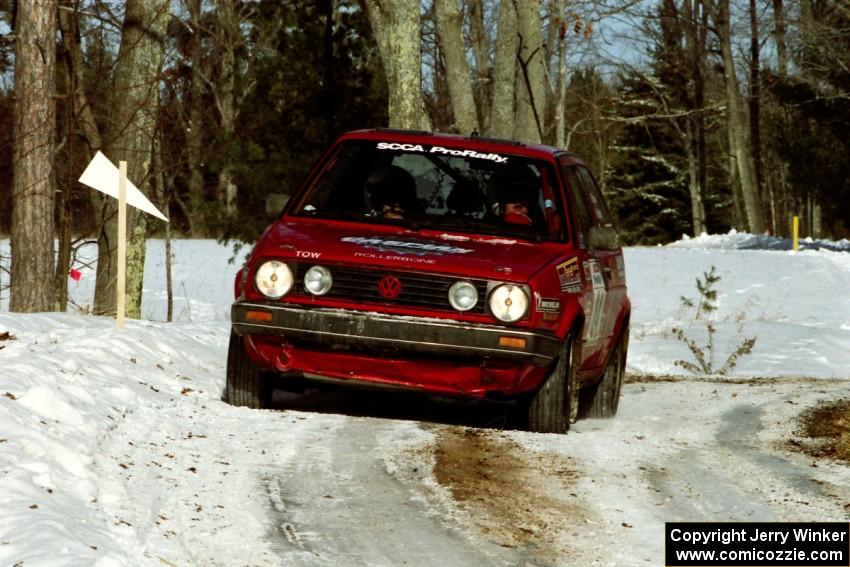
463 296
318 280
274 279
508 303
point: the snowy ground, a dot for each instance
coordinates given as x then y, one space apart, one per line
115 448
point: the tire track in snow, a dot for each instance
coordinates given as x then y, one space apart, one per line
183 481
337 504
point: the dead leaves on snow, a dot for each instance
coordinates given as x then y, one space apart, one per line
6 336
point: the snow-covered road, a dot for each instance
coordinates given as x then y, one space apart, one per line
215 485
152 468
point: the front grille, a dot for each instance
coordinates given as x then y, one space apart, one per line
427 291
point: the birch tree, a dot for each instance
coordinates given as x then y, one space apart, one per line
695 125
559 7
531 66
31 287
481 53
504 72
131 130
396 26
458 74
737 117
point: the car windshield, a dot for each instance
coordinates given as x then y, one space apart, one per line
429 186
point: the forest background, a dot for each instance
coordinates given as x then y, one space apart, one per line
694 115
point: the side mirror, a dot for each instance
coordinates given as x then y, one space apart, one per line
604 238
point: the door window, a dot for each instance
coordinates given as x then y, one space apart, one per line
582 218
596 202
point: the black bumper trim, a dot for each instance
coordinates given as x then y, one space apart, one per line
407 334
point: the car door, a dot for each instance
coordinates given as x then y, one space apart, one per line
589 296
600 263
607 270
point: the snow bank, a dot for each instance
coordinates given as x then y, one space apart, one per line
795 304
745 241
66 381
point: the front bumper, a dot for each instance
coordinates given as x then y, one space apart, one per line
379 332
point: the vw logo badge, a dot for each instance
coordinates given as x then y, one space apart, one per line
389 287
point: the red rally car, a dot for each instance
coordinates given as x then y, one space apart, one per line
452 265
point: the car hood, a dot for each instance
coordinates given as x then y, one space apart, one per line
391 247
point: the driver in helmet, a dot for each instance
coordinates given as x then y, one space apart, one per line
515 208
392 192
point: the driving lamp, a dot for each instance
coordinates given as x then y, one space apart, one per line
274 279
508 303
318 280
463 296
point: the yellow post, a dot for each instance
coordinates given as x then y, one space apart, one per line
121 283
795 233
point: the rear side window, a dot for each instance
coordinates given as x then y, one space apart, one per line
582 218
595 201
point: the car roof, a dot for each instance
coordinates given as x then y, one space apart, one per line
474 141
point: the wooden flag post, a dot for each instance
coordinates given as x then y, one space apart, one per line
102 175
121 285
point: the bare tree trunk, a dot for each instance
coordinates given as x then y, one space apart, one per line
779 37
504 72
817 218
691 132
736 115
803 212
550 49
227 25
63 206
377 10
395 24
163 196
739 214
74 58
774 206
809 14
83 113
458 74
561 100
807 28
32 275
531 94
697 206
194 128
133 126
701 26
755 94
481 54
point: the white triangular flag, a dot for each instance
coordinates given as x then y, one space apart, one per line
101 174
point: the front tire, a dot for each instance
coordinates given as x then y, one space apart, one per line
603 398
548 411
247 384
